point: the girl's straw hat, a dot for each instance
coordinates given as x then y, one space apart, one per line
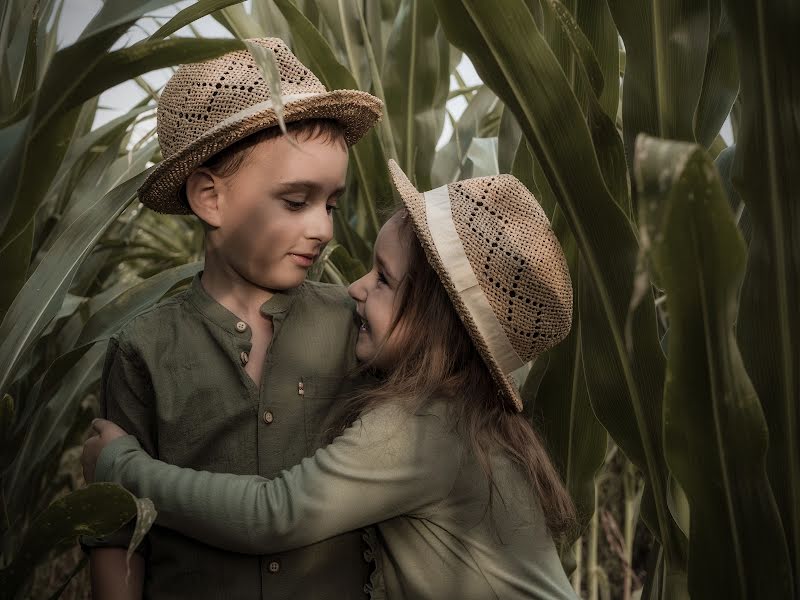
492 246
205 107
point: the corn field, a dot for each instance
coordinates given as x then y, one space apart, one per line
671 410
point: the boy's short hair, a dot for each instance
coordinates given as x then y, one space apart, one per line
228 161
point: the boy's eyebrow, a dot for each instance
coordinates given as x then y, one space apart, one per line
306 186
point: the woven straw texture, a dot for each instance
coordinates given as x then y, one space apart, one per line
515 257
205 107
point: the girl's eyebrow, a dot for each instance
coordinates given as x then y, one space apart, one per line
304 185
382 264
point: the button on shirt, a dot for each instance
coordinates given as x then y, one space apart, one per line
175 379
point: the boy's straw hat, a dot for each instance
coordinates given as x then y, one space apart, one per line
205 107
492 246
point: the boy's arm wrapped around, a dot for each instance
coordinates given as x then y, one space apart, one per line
126 398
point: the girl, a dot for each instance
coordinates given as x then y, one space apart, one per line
468 284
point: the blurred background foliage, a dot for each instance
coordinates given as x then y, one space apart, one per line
671 409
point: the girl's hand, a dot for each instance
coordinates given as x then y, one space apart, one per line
106 433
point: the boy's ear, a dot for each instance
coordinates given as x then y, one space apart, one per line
202 192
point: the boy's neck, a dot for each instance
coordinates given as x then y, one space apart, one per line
231 290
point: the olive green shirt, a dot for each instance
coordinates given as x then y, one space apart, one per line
409 474
175 378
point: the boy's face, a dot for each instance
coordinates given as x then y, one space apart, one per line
274 215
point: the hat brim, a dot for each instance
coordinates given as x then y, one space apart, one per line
357 111
414 203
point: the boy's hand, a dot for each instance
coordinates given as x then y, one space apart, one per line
106 433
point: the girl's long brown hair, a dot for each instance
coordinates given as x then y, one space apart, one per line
438 359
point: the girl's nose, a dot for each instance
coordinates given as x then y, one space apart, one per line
357 290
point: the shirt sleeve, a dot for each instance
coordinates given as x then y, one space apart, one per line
388 463
126 397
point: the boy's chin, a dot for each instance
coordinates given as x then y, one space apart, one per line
280 282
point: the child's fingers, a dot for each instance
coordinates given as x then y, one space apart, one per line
89 457
99 425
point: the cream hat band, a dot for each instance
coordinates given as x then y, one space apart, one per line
454 259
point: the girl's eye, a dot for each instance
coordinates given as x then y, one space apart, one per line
330 208
292 205
382 278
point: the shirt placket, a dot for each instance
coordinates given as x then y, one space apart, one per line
269 427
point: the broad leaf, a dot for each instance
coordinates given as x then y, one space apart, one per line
737 548
96 510
666 44
415 67
43 293
766 176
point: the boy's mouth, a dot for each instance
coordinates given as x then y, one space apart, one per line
304 260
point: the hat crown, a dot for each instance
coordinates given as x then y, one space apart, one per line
516 259
199 96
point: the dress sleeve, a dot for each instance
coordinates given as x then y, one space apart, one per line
388 463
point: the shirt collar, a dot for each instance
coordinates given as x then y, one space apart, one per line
277 306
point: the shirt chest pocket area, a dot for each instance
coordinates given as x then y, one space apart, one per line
322 395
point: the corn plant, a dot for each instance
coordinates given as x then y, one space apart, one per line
683 347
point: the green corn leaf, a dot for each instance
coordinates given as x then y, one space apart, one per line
385 128
721 78
508 139
265 59
415 69
608 145
341 18
41 296
126 63
448 161
48 429
14 261
737 548
190 14
75 75
482 156
241 25
271 20
561 409
766 176
96 510
663 75
116 14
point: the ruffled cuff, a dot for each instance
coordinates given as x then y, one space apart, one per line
372 554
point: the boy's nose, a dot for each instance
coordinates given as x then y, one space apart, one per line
320 225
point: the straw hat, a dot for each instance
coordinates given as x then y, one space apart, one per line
205 107
492 246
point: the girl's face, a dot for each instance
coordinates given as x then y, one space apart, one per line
377 297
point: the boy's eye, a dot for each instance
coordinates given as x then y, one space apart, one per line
294 205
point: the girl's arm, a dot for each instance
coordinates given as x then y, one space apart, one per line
387 464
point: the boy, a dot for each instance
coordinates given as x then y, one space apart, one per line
237 373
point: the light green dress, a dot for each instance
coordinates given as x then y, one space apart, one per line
409 475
